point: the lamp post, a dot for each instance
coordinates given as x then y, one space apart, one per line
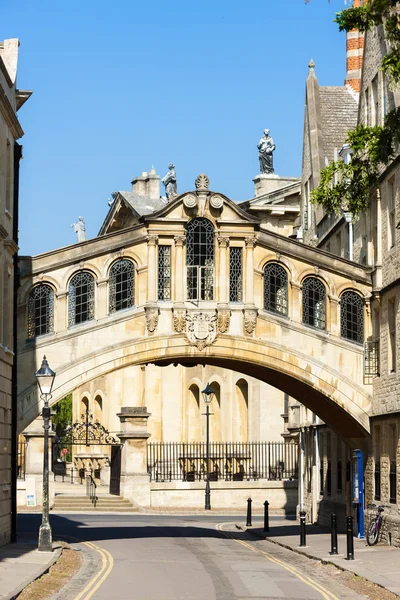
45 379
208 394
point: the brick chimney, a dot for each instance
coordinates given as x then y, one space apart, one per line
354 56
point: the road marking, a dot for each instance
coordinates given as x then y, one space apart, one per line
305 578
107 563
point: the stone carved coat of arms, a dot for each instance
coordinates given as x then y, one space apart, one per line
201 328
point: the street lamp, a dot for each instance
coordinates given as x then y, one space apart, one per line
208 394
45 379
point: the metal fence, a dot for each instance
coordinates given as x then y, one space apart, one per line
371 361
229 461
21 457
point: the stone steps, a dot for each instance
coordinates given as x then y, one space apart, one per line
84 504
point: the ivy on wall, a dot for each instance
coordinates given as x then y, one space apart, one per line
349 186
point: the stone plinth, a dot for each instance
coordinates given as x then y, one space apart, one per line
264 184
34 436
135 481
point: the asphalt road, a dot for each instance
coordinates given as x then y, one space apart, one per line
168 557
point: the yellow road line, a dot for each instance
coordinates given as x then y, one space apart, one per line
107 563
305 578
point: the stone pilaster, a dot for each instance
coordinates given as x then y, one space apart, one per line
135 481
179 273
152 242
61 314
223 270
34 453
250 244
102 298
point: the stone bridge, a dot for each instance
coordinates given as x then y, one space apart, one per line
198 281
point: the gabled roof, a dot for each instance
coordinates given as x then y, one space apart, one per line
339 110
136 205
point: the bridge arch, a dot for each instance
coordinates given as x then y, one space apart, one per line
335 398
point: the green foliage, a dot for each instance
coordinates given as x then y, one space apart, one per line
349 186
61 419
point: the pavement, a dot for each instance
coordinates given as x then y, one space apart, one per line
379 564
22 563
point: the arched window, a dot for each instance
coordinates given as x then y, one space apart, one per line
200 259
352 317
98 408
122 285
240 412
192 415
275 289
81 298
314 303
40 311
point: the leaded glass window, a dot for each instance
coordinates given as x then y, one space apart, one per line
40 311
314 303
275 289
164 272
352 317
122 285
235 275
80 298
200 259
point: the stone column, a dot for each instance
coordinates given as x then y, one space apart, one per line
223 295
179 271
152 242
249 297
296 302
135 481
102 299
34 435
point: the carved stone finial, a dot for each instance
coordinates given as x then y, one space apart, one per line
202 183
311 65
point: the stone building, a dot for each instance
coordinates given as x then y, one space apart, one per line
11 99
201 284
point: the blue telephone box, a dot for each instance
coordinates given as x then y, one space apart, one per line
358 491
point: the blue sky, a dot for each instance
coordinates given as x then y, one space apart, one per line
122 85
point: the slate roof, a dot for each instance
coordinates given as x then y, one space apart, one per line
339 112
143 205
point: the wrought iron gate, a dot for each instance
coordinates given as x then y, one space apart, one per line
115 472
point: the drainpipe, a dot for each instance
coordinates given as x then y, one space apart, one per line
14 389
349 219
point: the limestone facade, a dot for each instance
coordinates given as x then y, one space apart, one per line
11 100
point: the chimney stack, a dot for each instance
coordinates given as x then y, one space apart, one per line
354 56
148 184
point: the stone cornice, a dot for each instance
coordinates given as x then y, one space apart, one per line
9 116
3 233
315 256
3 69
11 246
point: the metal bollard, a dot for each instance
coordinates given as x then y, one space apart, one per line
303 528
248 521
266 516
334 546
349 536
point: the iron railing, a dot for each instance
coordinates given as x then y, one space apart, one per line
91 489
230 461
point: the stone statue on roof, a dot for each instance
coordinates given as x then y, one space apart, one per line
80 229
171 188
266 147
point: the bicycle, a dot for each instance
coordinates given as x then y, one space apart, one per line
375 526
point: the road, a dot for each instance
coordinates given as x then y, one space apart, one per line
168 557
